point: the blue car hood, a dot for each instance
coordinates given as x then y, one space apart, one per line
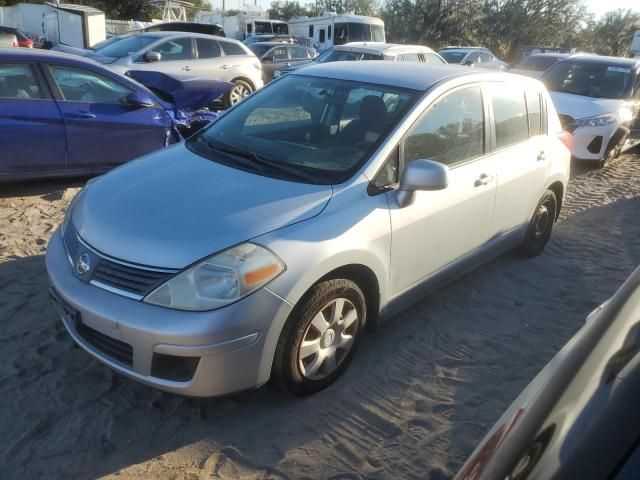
186 93
173 207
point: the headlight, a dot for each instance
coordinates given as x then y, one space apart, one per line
219 280
277 73
599 121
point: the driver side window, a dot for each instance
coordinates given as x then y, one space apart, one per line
177 49
451 131
77 85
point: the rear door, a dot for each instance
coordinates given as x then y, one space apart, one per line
275 59
28 111
102 129
443 226
209 60
518 141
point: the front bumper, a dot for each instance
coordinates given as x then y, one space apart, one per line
585 138
232 347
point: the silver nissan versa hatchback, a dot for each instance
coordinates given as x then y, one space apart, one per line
264 246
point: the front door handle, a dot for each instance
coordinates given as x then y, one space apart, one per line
186 68
225 66
82 115
541 157
484 179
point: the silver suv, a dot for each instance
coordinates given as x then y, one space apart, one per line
186 54
268 243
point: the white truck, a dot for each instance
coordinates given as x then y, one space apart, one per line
252 20
332 29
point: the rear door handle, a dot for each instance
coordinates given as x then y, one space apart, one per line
287 64
541 157
225 66
186 68
82 115
484 179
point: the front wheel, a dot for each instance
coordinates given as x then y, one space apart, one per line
320 337
540 226
240 90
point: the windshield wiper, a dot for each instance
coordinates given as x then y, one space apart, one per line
258 162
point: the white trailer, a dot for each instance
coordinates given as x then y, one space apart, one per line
331 29
252 20
634 48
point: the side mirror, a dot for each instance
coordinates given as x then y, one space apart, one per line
153 57
139 100
421 175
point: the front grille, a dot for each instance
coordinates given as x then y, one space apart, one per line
128 279
115 349
131 279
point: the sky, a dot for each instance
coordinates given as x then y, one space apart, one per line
596 6
600 7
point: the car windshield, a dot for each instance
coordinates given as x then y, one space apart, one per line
538 64
108 41
338 55
596 80
305 129
127 46
452 56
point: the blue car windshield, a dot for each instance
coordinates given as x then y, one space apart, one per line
309 129
127 46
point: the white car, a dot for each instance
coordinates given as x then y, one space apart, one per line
473 57
598 100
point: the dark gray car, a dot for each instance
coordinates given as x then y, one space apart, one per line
278 55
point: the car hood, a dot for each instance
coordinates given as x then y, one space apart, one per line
185 93
578 106
172 208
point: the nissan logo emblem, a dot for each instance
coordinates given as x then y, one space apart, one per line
83 265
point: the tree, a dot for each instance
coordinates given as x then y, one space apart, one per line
611 34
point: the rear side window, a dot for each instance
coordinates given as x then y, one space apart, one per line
433 58
279 53
510 114
298 53
451 131
410 57
534 110
207 48
18 82
231 48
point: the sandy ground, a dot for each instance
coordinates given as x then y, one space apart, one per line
419 396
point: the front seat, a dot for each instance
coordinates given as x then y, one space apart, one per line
369 125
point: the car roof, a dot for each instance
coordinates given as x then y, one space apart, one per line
171 33
466 48
38 55
604 60
274 44
381 47
412 75
549 54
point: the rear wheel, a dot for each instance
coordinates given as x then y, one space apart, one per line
240 90
320 337
540 226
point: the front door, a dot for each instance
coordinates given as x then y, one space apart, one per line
176 57
442 226
32 135
102 129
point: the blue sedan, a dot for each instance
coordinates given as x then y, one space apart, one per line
63 115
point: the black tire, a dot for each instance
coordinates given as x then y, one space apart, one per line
540 226
612 153
287 372
229 99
